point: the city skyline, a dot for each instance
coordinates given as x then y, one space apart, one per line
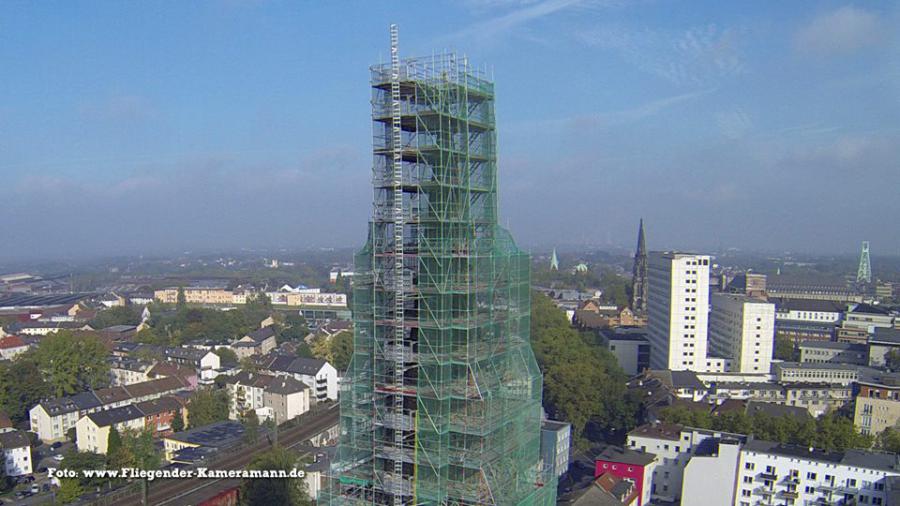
722 126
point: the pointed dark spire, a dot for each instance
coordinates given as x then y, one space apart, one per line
639 287
641 247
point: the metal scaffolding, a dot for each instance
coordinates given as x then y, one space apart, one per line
441 403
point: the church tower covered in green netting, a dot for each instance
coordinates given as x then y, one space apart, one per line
441 403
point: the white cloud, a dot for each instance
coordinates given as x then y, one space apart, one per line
524 14
699 56
839 32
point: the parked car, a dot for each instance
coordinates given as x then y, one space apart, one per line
35 489
56 445
42 470
46 487
58 457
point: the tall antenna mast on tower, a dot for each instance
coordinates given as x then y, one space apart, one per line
864 273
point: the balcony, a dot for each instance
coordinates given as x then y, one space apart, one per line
767 476
763 491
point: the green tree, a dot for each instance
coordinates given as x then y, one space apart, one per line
293 329
251 426
583 384
892 359
784 349
119 315
227 356
178 423
341 349
889 440
207 406
70 490
22 386
180 300
116 453
283 491
72 363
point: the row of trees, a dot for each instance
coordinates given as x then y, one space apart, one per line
64 363
829 432
616 289
583 383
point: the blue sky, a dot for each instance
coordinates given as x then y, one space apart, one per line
163 126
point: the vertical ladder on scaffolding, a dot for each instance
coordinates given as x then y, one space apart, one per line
399 277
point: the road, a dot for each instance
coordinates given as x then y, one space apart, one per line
181 492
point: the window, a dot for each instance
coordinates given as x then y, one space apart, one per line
749 465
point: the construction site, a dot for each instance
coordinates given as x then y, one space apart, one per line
441 403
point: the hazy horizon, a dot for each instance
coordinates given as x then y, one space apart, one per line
162 127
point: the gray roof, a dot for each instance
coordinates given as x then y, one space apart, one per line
215 435
285 385
855 458
777 410
14 439
686 379
116 415
625 456
262 334
825 306
296 365
869 309
72 403
831 345
885 335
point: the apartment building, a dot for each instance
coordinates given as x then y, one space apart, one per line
16 448
776 473
678 311
828 352
877 404
742 329
317 374
155 416
52 418
674 446
814 372
282 397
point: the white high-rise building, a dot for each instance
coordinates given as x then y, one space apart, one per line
677 310
742 330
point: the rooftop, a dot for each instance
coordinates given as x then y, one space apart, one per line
855 458
670 431
14 439
811 305
113 416
11 341
216 435
626 456
885 336
831 345
296 365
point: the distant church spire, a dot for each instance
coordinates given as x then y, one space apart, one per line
639 274
554 261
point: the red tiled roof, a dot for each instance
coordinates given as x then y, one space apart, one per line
11 341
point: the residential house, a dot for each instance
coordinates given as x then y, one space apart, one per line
16 449
259 342
92 430
11 346
317 374
282 396
52 418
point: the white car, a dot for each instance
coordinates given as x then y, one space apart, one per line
58 457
